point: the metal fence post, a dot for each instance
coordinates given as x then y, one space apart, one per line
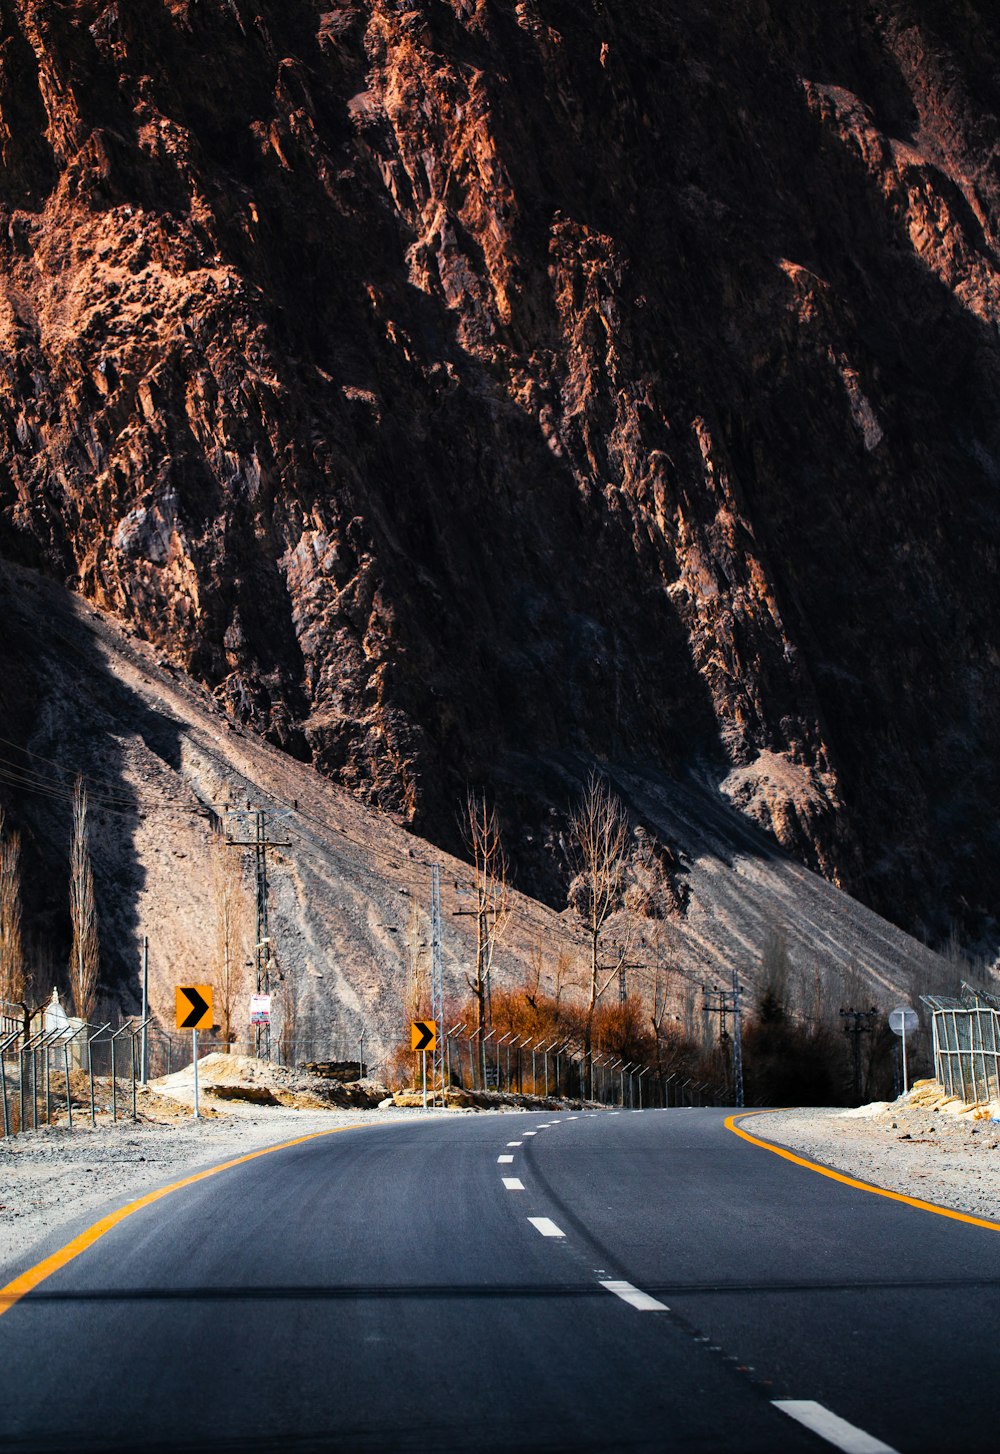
122 1030
69 1098
4 1046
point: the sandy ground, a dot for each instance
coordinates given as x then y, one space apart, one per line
919 1151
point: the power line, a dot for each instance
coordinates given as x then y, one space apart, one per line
47 786
52 762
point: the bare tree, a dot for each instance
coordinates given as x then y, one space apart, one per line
231 923
481 831
84 963
599 836
13 976
661 1004
418 989
289 1018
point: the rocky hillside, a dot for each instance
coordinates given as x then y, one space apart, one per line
349 890
461 389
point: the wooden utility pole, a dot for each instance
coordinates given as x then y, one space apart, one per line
263 957
856 1024
726 1002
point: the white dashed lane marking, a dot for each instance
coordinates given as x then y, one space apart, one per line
512 1183
504 1160
835 1430
634 1296
513 1143
546 1226
527 1133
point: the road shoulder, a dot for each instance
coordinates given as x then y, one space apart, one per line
908 1150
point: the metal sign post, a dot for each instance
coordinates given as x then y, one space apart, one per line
194 1012
901 1019
423 1037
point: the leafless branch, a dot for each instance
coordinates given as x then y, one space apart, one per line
481 832
599 833
13 975
84 962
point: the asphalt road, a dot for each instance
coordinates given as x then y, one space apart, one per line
382 1289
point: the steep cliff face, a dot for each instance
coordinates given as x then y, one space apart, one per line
454 385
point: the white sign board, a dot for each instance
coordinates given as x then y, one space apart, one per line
902 1018
260 1009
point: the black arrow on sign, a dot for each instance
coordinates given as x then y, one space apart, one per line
199 1007
426 1034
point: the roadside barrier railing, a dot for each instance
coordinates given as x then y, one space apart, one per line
966 1043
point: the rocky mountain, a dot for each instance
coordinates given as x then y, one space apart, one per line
464 390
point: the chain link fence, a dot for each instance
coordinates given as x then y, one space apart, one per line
966 1039
59 1070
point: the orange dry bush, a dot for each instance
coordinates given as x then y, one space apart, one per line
622 1029
400 1067
526 1018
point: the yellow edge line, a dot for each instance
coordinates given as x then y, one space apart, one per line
879 1191
28 1281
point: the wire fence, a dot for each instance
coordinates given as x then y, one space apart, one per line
57 1070
559 1069
966 1040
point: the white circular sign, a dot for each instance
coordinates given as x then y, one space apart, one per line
903 1018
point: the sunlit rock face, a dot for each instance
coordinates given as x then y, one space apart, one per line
460 386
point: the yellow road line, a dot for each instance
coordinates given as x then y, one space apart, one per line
879 1191
28 1281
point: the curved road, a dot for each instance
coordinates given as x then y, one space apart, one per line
647 1282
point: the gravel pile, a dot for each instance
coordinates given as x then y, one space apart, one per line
918 1150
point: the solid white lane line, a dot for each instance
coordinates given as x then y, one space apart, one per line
547 1227
834 1430
634 1296
504 1160
512 1183
513 1143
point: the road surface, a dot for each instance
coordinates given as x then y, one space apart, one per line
612 1281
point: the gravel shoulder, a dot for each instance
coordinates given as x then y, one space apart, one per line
921 1152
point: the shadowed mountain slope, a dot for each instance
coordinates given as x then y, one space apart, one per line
350 893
